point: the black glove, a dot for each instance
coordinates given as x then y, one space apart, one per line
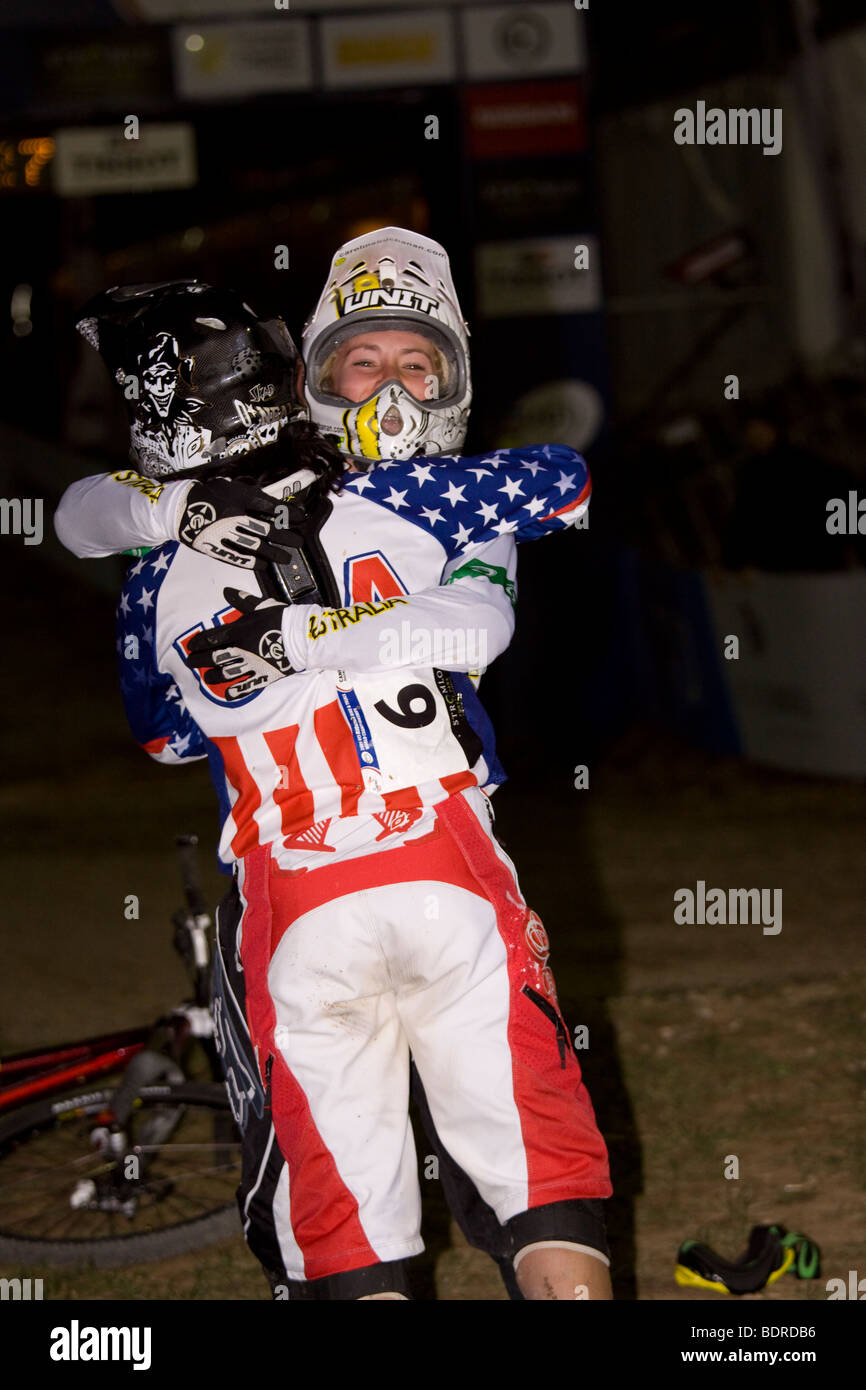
235 522
248 652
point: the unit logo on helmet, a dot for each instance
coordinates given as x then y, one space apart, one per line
390 281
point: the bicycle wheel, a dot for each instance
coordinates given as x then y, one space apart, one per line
183 1199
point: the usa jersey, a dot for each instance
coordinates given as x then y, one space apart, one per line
373 723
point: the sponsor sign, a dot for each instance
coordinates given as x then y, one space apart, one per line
115 71
527 118
388 50
537 276
522 40
99 159
219 60
169 11
559 412
550 196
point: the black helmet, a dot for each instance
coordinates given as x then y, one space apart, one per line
205 379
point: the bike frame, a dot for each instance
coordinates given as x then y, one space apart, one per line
24 1076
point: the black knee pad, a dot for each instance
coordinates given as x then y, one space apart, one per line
389 1276
580 1220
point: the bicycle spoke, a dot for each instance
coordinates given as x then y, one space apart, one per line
79 1164
52 1230
183 1181
178 1148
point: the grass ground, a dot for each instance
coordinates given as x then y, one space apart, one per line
775 1078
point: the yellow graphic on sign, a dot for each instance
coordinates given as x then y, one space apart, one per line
408 48
213 56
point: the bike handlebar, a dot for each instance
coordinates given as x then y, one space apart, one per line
187 851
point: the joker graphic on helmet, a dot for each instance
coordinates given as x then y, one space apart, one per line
203 377
160 368
163 429
387 350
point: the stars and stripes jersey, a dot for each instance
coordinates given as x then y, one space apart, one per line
528 491
383 719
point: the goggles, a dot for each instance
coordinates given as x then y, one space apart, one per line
444 385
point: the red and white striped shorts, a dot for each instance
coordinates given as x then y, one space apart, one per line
428 946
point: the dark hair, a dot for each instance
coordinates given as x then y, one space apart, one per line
299 445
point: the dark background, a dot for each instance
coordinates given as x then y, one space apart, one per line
686 482
708 518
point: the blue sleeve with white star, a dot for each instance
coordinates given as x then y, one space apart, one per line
528 492
159 719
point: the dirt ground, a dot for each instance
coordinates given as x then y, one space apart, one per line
705 1042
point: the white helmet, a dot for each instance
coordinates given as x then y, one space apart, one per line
392 279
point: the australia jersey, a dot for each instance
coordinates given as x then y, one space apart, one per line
381 718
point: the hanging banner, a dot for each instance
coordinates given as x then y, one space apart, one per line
562 411
231 60
114 71
514 200
388 50
99 159
538 323
172 11
538 276
522 40
533 119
